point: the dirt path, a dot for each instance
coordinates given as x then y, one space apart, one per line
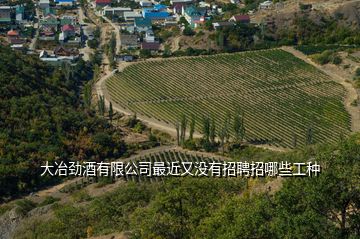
351 95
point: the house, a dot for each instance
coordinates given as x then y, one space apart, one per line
5 14
128 41
131 16
44 4
181 1
55 60
68 3
157 12
149 36
102 3
142 24
194 15
220 25
14 37
19 11
62 51
152 46
126 58
244 19
265 5
49 21
145 3
68 20
68 30
115 11
177 8
49 11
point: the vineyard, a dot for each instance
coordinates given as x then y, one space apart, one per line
160 160
281 96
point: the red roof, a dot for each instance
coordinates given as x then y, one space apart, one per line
68 27
12 33
103 1
150 45
242 18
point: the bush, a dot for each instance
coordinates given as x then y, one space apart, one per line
48 200
24 206
188 31
81 196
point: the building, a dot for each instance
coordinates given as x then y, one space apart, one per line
68 20
55 60
115 11
102 3
68 30
126 58
149 36
265 5
49 21
152 46
142 24
194 15
19 13
5 14
49 11
220 25
157 12
128 41
44 4
68 3
131 16
14 37
145 3
62 51
181 1
244 19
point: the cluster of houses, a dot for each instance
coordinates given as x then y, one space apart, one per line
136 24
16 23
63 30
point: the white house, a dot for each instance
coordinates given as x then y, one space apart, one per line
149 36
265 5
115 11
131 16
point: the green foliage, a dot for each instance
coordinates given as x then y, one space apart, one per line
48 200
42 119
327 57
188 31
326 206
24 206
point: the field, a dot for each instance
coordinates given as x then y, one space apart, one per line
281 96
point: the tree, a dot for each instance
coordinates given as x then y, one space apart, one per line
212 134
101 105
177 128
183 126
309 136
222 135
188 31
111 111
192 127
206 129
239 127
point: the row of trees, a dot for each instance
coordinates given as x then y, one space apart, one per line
211 136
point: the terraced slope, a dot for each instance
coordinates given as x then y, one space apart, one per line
281 95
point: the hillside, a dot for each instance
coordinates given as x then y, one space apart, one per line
280 96
42 119
212 207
